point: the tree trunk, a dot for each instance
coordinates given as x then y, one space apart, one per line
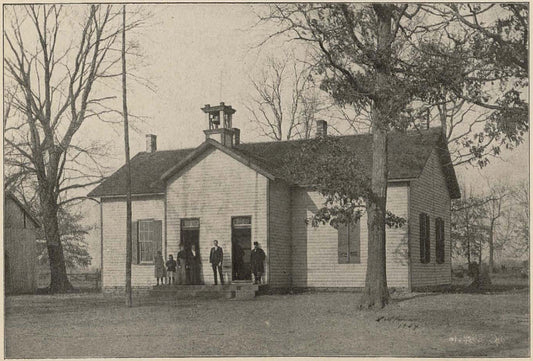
129 250
376 293
491 247
58 273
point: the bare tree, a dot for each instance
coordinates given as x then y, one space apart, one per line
56 91
495 204
285 101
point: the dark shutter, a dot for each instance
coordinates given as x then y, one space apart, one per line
424 238
355 242
422 233
134 242
158 239
343 240
439 240
428 240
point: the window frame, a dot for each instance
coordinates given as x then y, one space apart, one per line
151 232
351 228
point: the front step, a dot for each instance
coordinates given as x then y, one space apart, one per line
230 291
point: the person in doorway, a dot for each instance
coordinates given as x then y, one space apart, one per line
257 260
194 263
159 268
237 257
171 269
181 272
215 258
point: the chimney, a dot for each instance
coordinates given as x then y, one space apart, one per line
321 128
151 143
236 136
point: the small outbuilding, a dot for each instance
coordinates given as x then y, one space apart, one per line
20 254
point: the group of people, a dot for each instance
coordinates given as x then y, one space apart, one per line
185 270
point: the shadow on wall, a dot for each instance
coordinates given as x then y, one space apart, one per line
401 251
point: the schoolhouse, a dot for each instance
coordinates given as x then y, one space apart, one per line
234 193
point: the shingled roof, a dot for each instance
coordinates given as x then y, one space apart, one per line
408 153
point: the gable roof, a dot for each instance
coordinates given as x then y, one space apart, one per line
22 206
232 152
408 153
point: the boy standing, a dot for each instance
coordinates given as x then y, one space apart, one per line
171 269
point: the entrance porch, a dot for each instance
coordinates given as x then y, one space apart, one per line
237 291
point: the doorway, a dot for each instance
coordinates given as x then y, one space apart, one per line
190 233
241 248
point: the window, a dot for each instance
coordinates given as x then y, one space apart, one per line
349 243
424 238
439 240
146 241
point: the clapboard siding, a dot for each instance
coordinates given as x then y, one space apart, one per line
315 253
429 194
215 188
279 234
114 239
20 255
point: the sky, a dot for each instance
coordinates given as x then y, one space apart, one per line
197 54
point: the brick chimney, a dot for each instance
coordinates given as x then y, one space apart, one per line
151 143
321 128
236 136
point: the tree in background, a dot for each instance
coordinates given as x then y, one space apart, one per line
285 102
482 106
72 234
55 73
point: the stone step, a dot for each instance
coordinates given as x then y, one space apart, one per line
230 291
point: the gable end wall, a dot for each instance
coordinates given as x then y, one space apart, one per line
429 194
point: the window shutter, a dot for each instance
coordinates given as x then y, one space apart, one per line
158 239
428 240
422 233
439 240
343 243
424 238
355 242
134 242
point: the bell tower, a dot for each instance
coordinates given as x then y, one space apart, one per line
219 119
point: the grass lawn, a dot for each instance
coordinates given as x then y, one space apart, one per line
308 324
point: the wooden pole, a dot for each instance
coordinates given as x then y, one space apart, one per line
128 169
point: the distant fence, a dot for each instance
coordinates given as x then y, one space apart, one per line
89 281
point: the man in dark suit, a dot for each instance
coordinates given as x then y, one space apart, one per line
215 258
257 260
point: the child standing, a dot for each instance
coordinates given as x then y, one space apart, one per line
171 269
160 272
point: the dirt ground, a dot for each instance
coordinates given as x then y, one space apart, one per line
308 324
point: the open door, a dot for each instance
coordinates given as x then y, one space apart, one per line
241 247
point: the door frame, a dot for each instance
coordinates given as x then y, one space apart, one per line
248 226
182 228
